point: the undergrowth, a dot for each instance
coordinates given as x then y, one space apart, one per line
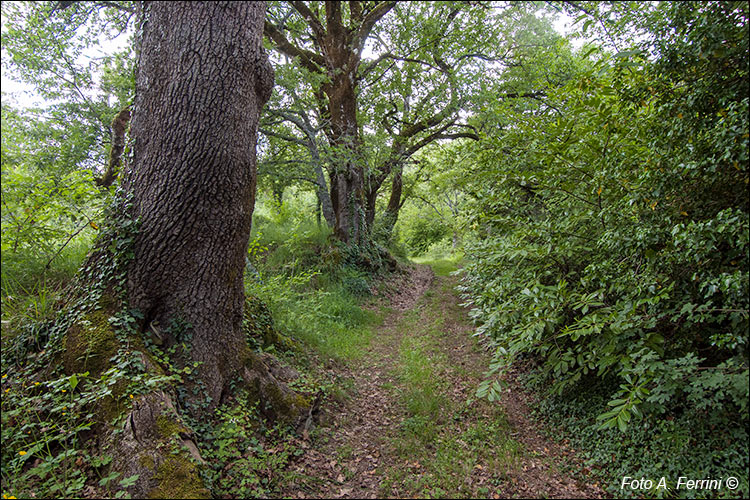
695 444
314 294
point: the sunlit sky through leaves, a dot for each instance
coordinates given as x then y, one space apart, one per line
23 95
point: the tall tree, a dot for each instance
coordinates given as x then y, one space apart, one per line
382 105
175 245
332 49
202 79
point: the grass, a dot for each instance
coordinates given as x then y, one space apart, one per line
442 265
442 441
31 292
313 296
329 320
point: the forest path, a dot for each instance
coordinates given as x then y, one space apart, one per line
412 427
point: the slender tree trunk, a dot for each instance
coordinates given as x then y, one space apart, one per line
202 79
324 197
371 198
394 202
118 130
278 194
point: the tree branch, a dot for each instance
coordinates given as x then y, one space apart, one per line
355 10
333 17
311 18
310 60
368 22
284 137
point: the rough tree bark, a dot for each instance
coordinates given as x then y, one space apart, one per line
394 203
202 78
118 130
201 81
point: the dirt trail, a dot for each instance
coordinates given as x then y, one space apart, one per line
355 455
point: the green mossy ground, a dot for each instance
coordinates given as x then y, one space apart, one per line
89 344
178 478
168 426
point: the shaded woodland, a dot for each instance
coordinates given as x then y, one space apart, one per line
229 227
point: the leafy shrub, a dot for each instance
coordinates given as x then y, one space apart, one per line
422 232
694 444
617 252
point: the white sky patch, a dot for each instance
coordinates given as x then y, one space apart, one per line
22 95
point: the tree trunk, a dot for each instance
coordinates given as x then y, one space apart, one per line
339 43
201 81
347 175
321 186
277 189
371 198
202 78
394 203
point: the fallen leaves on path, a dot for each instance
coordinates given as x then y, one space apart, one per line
351 457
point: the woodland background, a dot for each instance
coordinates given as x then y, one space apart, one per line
595 196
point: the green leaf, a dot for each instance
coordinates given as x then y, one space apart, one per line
129 481
73 382
622 423
103 481
627 53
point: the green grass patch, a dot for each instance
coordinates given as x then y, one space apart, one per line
441 266
314 297
441 441
331 321
31 291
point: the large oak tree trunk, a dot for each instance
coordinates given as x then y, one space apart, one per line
202 79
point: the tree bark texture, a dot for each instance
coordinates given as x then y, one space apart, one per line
325 205
202 78
347 173
394 202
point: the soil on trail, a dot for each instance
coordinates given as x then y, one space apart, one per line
380 443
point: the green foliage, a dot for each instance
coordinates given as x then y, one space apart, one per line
304 277
51 155
246 459
682 445
52 407
44 205
612 226
423 232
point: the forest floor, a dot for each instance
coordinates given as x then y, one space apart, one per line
411 426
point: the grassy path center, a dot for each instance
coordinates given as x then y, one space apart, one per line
412 427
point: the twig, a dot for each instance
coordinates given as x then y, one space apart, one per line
66 243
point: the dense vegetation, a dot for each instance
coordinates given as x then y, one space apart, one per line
596 195
613 220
